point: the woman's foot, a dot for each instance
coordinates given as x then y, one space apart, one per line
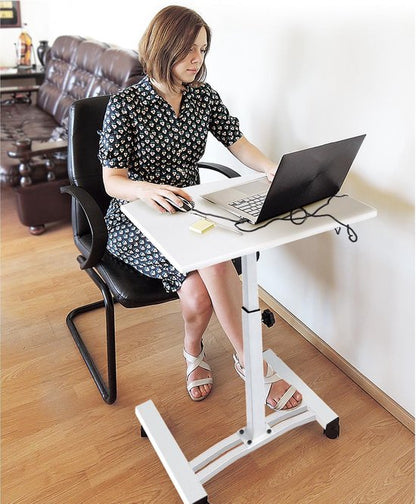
198 376
278 390
279 394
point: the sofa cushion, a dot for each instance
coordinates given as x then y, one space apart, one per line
22 120
84 65
57 72
117 69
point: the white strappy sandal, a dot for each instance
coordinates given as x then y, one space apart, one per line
193 363
270 378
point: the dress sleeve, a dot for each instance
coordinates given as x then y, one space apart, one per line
115 148
223 126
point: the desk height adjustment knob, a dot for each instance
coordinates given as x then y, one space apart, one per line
267 317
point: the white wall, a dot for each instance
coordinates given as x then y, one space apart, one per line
298 74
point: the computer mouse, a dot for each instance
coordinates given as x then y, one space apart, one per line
186 207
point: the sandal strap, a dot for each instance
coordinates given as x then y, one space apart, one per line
198 383
239 368
195 362
271 375
270 378
285 397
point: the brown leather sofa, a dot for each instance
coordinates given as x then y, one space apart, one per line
33 136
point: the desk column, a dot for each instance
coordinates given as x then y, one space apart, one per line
253 352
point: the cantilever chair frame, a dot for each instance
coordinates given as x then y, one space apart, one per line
91 239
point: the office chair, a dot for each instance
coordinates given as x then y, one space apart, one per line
118 282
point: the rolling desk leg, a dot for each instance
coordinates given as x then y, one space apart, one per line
253 349
188 477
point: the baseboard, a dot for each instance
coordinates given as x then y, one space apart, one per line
375 392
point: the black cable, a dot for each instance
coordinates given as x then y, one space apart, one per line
205 214
290 217
299 220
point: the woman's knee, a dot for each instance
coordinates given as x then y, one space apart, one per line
222 270
194 298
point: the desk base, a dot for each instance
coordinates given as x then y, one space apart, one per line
189 476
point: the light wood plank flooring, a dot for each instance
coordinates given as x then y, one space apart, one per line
61 444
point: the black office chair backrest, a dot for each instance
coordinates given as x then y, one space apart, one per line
84 168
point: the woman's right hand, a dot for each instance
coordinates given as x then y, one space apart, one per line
118 185
157 196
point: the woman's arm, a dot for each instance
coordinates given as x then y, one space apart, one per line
252 157
118 185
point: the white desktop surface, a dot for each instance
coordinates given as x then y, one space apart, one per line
188 250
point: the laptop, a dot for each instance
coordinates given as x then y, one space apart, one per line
302 177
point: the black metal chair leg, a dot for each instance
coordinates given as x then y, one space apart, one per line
108 391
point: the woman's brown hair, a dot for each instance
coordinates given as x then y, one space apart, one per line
167 41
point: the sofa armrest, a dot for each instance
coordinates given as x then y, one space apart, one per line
20 94
94 247
26 150
19 89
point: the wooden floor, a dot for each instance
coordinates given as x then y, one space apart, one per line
62 444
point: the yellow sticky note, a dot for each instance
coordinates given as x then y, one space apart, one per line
201 226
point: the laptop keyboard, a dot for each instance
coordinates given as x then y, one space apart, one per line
251 204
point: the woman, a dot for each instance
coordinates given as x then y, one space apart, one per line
153 136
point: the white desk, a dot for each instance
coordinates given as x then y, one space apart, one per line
188 251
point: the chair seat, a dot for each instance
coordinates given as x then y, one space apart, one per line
129 287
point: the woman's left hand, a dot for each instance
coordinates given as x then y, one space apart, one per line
271 172
252 157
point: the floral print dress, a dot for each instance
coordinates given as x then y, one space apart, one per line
142 133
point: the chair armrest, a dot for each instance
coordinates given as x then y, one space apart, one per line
228 172
96 223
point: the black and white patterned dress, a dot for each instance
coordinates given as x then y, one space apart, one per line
142 133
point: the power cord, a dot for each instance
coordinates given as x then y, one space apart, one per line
293 217
200 213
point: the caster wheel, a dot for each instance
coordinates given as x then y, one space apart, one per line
332 429
142 432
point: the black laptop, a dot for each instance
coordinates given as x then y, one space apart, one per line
302 177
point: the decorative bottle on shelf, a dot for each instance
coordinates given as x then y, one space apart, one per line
24 49
41 51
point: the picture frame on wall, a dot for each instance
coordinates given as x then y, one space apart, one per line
10 14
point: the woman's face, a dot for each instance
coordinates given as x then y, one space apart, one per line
185 71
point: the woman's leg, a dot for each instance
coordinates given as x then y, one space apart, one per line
196 311
224 288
